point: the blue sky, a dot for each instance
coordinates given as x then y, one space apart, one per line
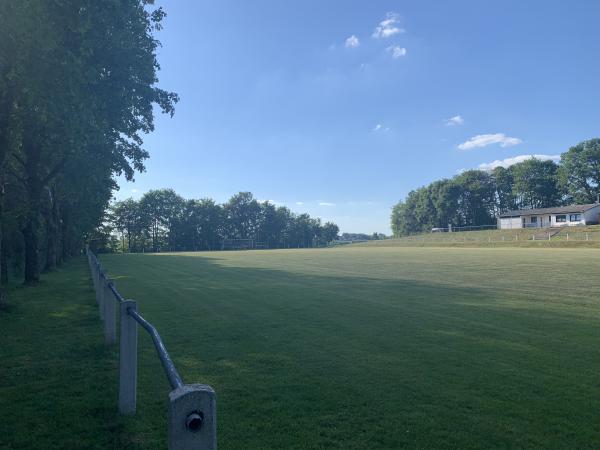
340 108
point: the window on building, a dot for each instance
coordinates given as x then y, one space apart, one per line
534 220
575 218
561 218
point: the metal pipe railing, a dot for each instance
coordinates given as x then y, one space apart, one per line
192 407
163 355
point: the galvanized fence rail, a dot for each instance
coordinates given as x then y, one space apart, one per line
191 415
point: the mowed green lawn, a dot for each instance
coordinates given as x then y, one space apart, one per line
367 347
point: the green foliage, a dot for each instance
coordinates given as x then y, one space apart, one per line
579 172
77 93
476 197
163 221
536 184
242 213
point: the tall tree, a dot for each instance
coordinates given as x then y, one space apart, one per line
330 232
271 225
536 184
503 189
579 173
86 73
242 216
160 210
476 198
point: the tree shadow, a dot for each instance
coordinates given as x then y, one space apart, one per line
294 356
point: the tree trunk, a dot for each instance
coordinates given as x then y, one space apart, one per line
31 238
51 250
65 239
3 271
3 262
52 237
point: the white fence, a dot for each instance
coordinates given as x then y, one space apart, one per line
506 236
192 419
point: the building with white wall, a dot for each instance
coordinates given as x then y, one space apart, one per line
560 216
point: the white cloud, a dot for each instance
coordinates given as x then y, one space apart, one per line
388 27
396 51
456 120
352 42
326 204
299 203
135 191
516 159
380 127
483 140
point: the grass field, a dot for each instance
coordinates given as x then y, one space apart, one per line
566 237
353 347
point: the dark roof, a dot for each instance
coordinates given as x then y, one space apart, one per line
556 210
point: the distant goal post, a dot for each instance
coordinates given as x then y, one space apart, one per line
242 244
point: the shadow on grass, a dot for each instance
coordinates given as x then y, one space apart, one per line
57 379
301 360
317 361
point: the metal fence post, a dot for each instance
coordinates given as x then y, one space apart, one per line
110 317
127 359
192 418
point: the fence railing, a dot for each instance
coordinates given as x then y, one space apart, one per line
506 236
191 415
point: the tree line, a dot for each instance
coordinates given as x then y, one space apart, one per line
78 90
162 220
476 197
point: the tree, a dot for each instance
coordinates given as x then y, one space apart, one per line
159 211
271 225
198 226
444 196
579 173
476 198
503 189
404 218
242 216
171 223
85 85
536 184
126 220
330 232
468 199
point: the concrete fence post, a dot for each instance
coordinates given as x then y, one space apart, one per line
97 281
127 359
110 316
192 418
94 276
101 295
